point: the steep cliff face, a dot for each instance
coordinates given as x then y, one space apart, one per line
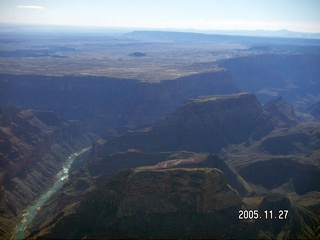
287 158
275 172
159 199
294 76
205 124
152 204
106 103
178 203
282 113
181 184
98 170
291 219
204 160
315 110
300 140
33 146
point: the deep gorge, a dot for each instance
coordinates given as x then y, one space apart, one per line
156 127
95 103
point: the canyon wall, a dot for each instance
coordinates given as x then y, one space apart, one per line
164 194
152 204
292 74
205 124
33 146
105 103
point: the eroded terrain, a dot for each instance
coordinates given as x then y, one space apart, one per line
186 130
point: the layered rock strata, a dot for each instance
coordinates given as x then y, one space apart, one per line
152 204
206 124
33 146
282 113
105 103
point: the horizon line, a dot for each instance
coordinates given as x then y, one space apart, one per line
173 29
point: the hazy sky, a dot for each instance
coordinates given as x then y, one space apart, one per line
295 15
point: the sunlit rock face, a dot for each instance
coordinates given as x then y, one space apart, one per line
176 190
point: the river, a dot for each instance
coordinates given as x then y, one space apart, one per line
30 212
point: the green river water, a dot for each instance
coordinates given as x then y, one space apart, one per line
30 212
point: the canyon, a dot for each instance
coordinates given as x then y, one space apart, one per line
34 145
198 132
104 103
128 204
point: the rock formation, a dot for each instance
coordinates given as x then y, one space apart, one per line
159 195
300 140
175 203
282 113
274 172
105 103
294 76
205 124
98 170
175 158
315 110
152 204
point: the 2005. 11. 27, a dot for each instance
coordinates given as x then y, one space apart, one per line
267 214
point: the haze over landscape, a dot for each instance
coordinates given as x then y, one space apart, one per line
297 15
159 119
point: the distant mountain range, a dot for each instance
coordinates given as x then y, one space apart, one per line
283 33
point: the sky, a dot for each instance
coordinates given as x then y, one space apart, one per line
293 15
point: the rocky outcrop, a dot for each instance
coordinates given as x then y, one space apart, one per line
294 76
282 113
274 172
33 146
99 170
205 124
203 160
315 110
178 203
159 199
95 173
105 103
152 204
283 217
300 140
209 184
